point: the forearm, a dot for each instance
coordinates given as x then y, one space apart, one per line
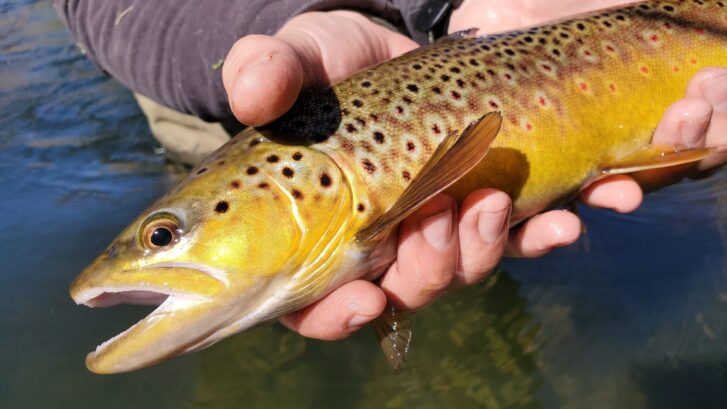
169 50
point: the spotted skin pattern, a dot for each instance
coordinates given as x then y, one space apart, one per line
588 89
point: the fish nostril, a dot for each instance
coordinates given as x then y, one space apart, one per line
111 252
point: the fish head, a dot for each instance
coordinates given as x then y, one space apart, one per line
245 238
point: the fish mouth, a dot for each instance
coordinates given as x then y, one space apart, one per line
182 318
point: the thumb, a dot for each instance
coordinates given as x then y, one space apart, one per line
263 75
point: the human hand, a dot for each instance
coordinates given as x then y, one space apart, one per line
438 246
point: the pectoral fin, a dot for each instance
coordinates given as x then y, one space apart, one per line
456 155
393 331
654 157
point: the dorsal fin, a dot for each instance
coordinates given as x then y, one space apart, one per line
456 155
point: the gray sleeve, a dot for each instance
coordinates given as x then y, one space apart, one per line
168 50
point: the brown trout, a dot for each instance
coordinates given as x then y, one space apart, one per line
283 214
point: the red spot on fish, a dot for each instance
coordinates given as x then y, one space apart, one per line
508 77
667 26
675 69
583 86
456 95
587 53
493 104
644 69
654 38
528 126
700 31
541 101
693 61
436 129
547 67
612 87
399 110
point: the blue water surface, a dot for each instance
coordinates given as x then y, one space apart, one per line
632 316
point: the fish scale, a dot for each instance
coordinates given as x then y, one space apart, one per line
283 214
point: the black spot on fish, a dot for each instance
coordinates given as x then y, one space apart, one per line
350 128
263 185
201 171
235 184
222 206
366 84
368 166
297 194
509 52
379 137
412 88
581 26
357 103
417 66
272 158
251 170
436 90
297 156
410 146
325 180
254 142
455 69
288 172
406 175
361 207
445 77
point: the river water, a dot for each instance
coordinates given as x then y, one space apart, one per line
632 316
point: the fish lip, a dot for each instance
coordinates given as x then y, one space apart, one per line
92 297
167 306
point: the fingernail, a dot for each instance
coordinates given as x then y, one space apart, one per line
715 92
491 225
437 229
357 321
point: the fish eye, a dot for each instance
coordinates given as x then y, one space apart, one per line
160 232
161 236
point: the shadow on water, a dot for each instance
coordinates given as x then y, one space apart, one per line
700 382
632 316
471 350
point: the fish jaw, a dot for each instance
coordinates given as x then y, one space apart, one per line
183 318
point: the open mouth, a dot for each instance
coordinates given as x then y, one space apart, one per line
167 302
135 297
